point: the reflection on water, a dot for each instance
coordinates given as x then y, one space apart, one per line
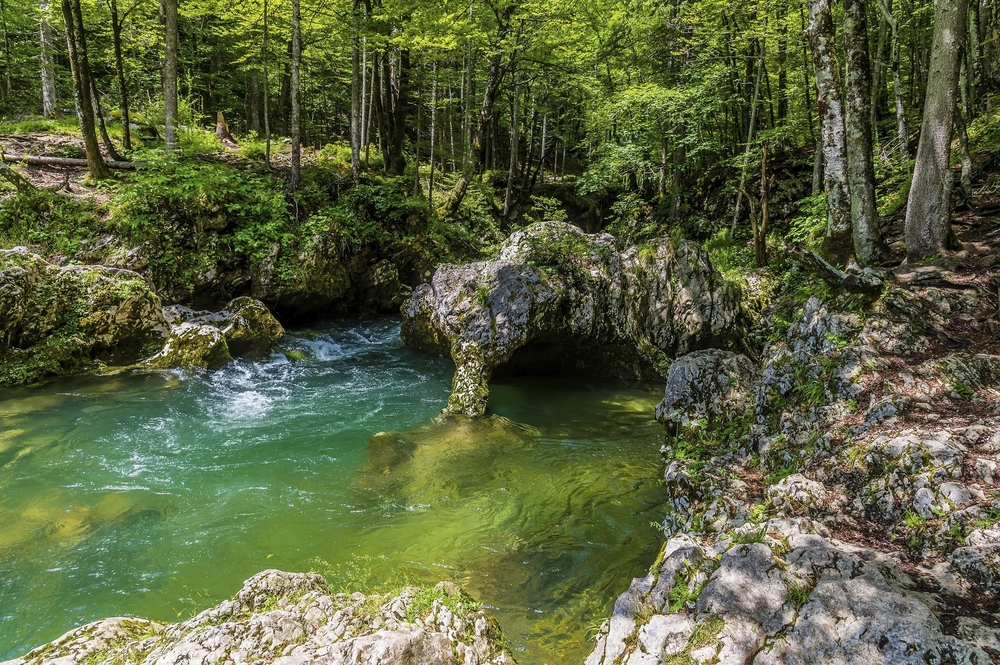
158 494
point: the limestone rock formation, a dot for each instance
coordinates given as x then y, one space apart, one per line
783 592
211 339
557 298
293 619
61 319
836 505
708 385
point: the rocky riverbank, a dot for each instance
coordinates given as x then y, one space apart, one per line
293 619
57 320
831 491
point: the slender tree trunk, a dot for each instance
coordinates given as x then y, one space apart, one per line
746 152
782 76
417 188
356 95
170 73
928 210
760 230
817 179
116 34
364 96
370 114
478 143
901 134
48 67
879 99
253 103
963 144
542 153
294 120
679 157
267 90
515 140
430 184
837 245
99 114
868 245
6 49
77 46
396 163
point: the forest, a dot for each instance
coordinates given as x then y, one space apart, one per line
652 115
615 332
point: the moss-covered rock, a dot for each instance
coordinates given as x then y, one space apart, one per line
245 328
192 345
61 319
557 299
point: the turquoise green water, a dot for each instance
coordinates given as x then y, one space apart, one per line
155 495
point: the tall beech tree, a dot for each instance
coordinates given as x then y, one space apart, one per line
868 245
838 242
928 208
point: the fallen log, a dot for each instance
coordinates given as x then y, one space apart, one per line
35 160
20 183
864 280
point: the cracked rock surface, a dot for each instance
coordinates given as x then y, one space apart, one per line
293 619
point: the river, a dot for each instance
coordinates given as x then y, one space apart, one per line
157 494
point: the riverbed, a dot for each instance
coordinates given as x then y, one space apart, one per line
157 494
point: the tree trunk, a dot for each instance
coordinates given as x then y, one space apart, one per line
837 245
116 34
400 99
478 144
868 245
267 92
170 73
294 91
782 76
901 134
430 184
679 157
746 153
356 94
515 140
963 144
253 112
48 67
99 114
77 46
928 210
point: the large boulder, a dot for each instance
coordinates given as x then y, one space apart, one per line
557 299
211 339
62 319
708 386
294 619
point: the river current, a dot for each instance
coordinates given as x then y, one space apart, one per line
157 494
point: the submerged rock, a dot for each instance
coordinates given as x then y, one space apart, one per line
294 619
557 299
62 319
